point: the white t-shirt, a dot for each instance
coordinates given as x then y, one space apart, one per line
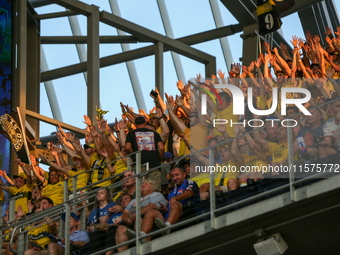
154 198
331 129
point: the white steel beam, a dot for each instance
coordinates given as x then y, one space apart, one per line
136 87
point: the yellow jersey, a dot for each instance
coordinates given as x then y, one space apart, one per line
36 235
228 115
26 192
82 179
55 192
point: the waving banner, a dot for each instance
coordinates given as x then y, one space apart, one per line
11 127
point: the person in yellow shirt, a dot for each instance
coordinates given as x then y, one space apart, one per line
23 186
224 111
247 152
36 236
81 167
55 189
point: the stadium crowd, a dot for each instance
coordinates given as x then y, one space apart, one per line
175 129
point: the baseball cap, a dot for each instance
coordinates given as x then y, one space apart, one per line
22 175
72 214
76 157
86 146
280 71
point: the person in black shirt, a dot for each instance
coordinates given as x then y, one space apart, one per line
151 145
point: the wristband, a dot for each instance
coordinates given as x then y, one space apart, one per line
118 131
160 118
90 125
21 164
126 113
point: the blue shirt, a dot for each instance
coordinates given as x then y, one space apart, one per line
78 236
193 188
102 212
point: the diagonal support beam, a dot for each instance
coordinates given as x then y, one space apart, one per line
74 5
140 53
149 35
55 122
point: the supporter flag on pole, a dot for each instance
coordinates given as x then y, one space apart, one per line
268 17
11 127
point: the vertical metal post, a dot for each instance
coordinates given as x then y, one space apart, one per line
61 229
67 219
25 237
21 70
93 62
138 203
11 210
49 87
136 87
83 220
159 69
210 68
212 189
74 191
291 161
128 165
20 244
81 48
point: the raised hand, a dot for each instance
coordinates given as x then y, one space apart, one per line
76 144
87 120
180 85
180 102
57 149
169 105
122 124
122 107
328 31
70 137
309 36
219 72
295 41
268 57
20 212
267 48
61 130
258 63
251 67
237 69
245 70
316 40
94 131
198 78
30 207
